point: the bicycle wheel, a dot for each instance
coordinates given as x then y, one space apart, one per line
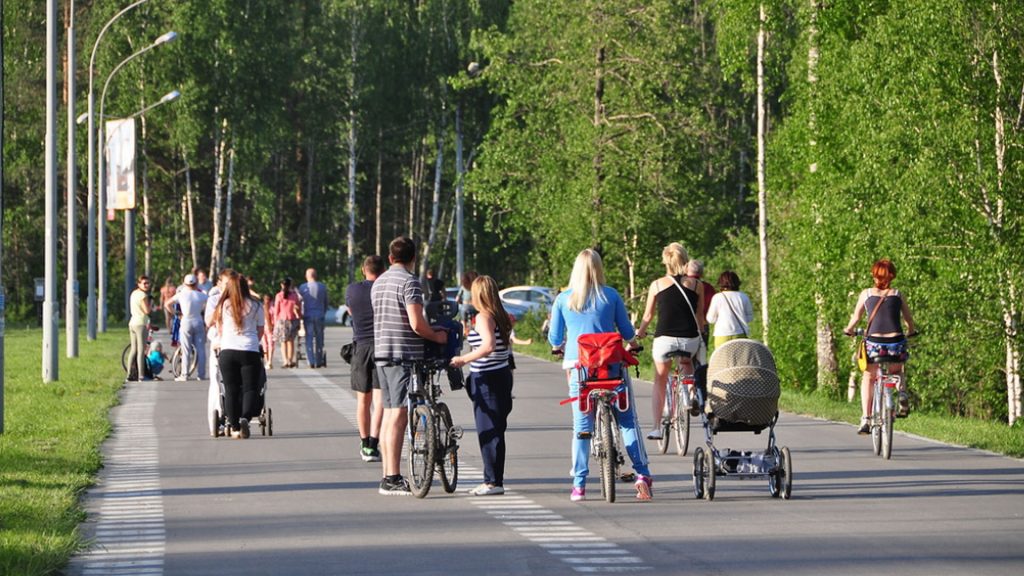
876 436
667 424
176 362
886 431
607 452
423 440
682 423
448 450
698 473
124 357
709 464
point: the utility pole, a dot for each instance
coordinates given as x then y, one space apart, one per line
50 341
71 289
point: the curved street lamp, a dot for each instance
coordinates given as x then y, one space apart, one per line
91 205
101 236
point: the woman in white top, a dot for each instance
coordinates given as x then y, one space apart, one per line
138 325
490 381
730 310
239 321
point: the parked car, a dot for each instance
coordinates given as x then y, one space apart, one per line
530 297
338 315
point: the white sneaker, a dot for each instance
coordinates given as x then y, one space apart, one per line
654 434
487 490
180 379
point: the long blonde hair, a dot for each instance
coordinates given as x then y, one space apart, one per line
675 258
486 299
586 281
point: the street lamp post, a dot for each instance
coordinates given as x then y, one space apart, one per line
91 201
50 341
71 289
101 229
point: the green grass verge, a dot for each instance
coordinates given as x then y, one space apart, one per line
49 451
986 435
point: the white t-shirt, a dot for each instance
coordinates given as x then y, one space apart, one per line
728 323
191 302
245 337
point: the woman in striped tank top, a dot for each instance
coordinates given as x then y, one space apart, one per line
490 381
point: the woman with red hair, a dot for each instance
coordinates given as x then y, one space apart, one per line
884 336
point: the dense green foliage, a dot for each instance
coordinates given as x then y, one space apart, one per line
49 451
895 130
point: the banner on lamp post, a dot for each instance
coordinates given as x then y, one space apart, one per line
121 164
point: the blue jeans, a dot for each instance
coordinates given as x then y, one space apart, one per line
584 422
491 392
314 340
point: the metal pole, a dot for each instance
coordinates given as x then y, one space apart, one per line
95 222
71 289
129 259
101 230
3 296
460 251
49 360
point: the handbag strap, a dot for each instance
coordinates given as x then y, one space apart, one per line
746 330
871 317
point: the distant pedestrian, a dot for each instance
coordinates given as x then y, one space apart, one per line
192 303
365 382
267 340
730 310
138 325
314 311
433 287
695 270
287 313
167 291
464 299
204 283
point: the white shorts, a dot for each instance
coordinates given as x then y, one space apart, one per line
664 344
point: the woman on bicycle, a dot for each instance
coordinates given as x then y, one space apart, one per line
679 300
490 381
588 306
884 337
239 321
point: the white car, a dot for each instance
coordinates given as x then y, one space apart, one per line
529 297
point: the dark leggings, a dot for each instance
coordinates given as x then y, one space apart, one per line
240 371
491 392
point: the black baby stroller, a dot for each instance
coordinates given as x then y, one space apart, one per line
743 396
218 420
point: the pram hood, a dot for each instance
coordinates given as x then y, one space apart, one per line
743 384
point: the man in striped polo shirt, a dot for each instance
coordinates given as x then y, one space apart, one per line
398 332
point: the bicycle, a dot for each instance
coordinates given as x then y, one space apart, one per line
680 391
433 439
884 410
177 358
126 359
611 397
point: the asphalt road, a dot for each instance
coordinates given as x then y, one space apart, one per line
172 500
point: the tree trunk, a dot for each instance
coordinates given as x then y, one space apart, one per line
762 194
191 216
307 219
378 194
352 194
218 150
435 209
228 204
598 162
460 228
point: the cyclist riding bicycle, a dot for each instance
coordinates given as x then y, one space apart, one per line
588 306
884 337
679 300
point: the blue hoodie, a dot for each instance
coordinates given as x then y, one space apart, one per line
608 315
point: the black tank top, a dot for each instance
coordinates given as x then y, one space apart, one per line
887 320
674 316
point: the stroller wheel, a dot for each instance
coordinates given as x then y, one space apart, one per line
709 488
787 470
698 473
270 422
215 423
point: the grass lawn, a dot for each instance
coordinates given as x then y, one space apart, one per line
49 451
993 436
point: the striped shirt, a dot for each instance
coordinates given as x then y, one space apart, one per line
393 337
493 361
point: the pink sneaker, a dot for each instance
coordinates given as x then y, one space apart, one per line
644 487
578 494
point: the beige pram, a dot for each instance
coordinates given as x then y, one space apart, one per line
742 396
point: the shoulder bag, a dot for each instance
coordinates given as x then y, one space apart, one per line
861 356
